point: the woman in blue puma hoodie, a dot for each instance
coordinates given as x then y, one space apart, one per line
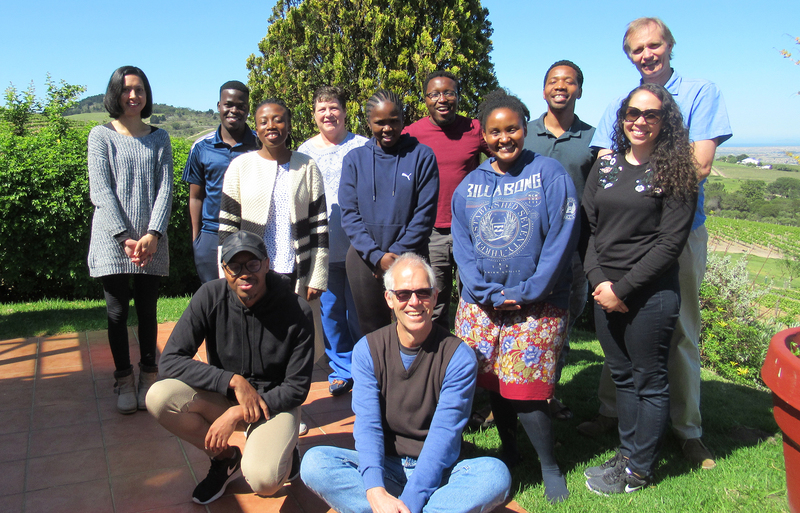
388 195
514 230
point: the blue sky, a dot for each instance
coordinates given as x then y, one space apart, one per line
188 49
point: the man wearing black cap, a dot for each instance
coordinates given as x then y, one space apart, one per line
259 339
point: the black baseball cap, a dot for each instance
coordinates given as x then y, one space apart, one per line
243 241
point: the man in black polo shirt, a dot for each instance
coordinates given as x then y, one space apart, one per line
412 396
560 134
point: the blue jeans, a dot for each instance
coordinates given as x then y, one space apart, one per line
339 322
473 485
636 345
205 256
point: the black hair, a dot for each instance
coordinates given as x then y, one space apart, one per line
278 101
565 62
329 93
114 90
672 159
501 99
236 85
380 96
437 74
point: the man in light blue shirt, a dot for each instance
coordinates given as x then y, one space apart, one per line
648 43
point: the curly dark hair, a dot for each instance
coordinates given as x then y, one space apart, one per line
501 99
672 159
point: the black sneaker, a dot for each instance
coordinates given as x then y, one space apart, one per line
616 460
295 472
617 480
219 475
634 483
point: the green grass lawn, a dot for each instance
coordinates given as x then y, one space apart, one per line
50 317
739 172
738 428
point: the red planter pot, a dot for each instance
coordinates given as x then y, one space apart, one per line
781 373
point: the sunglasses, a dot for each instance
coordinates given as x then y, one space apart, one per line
235 269
404 295
651 116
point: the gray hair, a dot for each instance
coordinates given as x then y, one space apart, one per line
409 259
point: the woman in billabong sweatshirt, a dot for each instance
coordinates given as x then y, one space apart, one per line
388 195
514 228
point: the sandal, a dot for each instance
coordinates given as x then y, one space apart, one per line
559 410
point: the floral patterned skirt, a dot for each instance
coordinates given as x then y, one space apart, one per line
517 350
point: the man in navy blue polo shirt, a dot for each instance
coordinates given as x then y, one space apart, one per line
205 172
560 134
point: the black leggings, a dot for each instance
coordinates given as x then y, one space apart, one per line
373 312
116 288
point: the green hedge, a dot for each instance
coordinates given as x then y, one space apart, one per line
45 217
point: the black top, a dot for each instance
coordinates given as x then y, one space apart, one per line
636 234
270 344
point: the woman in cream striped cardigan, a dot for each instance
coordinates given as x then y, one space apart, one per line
279 195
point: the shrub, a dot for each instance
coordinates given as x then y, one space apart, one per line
733 340
45 211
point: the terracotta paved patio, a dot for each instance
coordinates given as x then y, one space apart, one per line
66 449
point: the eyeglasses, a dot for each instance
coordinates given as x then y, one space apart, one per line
449 95
404 295
651 116
235 269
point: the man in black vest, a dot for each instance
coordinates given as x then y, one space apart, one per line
412 397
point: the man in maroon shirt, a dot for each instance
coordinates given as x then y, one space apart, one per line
457 142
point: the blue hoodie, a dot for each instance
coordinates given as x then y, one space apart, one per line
388 199
514 233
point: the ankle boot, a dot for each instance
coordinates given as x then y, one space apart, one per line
125 388
147 376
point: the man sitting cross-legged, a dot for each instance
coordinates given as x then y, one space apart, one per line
412 396
260 342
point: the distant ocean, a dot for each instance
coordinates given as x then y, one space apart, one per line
767 154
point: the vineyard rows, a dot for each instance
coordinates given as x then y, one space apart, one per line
786 239
786 305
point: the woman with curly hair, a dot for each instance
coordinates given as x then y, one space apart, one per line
639 202
514 228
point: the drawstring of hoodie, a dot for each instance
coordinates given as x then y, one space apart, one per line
374 178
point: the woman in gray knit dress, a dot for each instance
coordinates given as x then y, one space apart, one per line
130 183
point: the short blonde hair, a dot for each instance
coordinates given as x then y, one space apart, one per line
640 23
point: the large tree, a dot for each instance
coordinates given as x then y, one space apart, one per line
365 45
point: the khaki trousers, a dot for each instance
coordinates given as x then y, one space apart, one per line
188 413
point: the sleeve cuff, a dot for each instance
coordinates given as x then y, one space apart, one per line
621 289
373 478
122 237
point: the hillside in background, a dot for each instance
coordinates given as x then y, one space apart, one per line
178 121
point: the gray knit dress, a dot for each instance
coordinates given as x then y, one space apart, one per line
130 184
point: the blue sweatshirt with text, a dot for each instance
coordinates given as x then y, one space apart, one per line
388 198
514 233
